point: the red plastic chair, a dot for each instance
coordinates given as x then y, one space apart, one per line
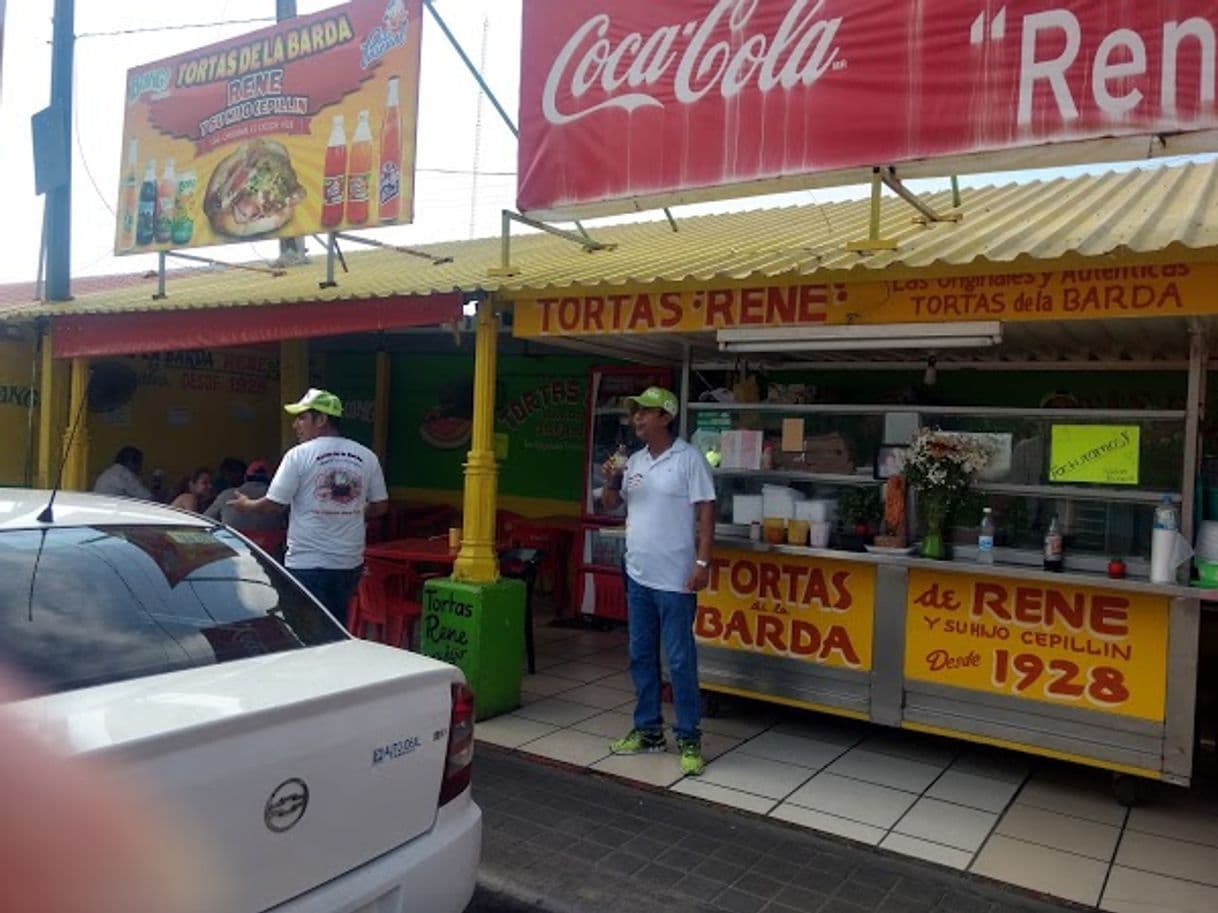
383 598
271 541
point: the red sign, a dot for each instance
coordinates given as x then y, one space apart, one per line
639 103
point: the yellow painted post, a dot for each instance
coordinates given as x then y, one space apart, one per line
380 415
76 459
52 387
477 561
293 381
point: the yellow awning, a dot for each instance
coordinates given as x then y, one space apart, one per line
1145 214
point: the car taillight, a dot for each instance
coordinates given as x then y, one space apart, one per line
459 764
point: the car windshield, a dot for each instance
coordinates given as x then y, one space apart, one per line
83 606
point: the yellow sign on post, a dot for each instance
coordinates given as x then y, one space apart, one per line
808 609
1108 454
1094 649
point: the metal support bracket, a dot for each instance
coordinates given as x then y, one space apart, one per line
423 255
505 268
164 255
332 253
887 177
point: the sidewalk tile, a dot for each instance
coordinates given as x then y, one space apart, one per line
867 803
721 795
546 685
556 711
951 825
1061 832
579 671
829 824
1131 891
885 769
1164 856
792 749
661 769
992 764
742 727
1072 796
698 888
511 730
1178 814
1040 868
981 792
755 775
830 730
619 680
570 747
715 745
598 696
911 745
610 725
735 901
928 850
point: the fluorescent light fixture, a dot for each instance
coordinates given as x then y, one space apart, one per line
853 338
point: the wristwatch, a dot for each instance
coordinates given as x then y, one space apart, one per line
702 563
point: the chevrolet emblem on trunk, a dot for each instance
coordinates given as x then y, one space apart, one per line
286 806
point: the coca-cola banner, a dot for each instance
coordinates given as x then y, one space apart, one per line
638 103
305 126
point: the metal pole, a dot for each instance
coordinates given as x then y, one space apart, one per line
1197 359
59 200
685 360
291 250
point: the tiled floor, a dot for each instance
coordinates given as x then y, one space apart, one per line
1050 827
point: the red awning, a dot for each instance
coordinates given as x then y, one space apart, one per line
129 333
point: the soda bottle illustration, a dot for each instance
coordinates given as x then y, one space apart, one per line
183 208
166 191
389 183
334 183
145 223
359 172
129 207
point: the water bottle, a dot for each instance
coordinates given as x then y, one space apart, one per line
985 538
1165 515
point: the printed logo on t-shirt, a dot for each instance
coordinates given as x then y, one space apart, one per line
634 480
339 486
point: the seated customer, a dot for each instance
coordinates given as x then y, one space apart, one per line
257 480
122 478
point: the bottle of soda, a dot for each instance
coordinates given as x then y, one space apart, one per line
130 204
334 182
985 538
1053 547
145 223
166 191
359 172
389 180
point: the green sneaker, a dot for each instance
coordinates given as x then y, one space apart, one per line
636 741
691 757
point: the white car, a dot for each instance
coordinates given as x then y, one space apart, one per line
328 773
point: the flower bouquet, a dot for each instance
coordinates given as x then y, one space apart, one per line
940 467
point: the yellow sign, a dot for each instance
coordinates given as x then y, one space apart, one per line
305 126
1094 649
1095 453
1131 291
808 609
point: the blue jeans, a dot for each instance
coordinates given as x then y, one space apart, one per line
655 617
333 588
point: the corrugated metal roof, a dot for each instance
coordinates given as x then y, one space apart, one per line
1145 211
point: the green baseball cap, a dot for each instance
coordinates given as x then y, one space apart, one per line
315 400
656 398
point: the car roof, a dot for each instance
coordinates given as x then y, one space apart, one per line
20 507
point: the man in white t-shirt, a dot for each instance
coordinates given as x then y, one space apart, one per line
332 484
670 529
122 477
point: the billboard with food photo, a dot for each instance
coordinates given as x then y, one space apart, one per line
306 126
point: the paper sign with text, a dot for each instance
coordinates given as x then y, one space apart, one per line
1093 649
1107 454
808 609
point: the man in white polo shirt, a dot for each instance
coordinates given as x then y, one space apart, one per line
670 528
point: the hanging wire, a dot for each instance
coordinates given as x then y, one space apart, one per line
80 150
175 28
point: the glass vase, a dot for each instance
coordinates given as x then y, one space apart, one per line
933 545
